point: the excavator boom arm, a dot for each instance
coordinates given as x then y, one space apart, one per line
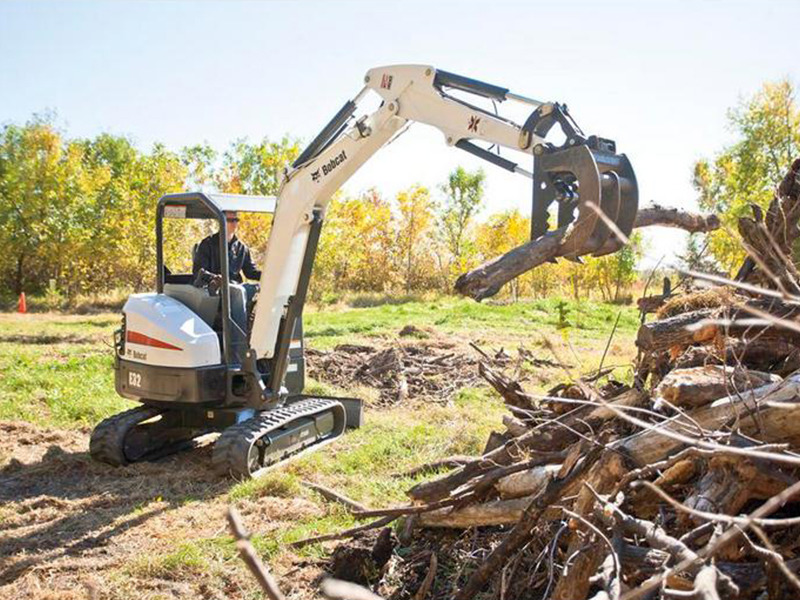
409 93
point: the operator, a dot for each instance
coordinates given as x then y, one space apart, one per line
239 261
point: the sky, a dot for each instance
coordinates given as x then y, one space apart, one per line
657 77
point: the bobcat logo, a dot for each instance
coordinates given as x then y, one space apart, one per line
473 124
328 167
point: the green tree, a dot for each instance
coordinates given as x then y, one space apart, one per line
256 168
767 126
46 192
199 161
463 195
614 272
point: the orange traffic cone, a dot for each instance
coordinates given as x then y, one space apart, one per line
22 307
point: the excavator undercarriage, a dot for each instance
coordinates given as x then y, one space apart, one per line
244 449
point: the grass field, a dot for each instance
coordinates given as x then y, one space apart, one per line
68 525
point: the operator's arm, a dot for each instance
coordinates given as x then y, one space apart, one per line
203 259
249 267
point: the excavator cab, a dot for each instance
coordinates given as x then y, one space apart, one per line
185 357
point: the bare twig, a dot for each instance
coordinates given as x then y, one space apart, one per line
334 496
343 534
250 556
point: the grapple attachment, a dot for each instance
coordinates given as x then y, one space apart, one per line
582 175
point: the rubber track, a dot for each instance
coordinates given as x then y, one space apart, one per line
233 446
107 441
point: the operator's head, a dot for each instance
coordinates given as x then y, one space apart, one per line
232 223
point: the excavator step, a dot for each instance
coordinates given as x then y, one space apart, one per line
254 446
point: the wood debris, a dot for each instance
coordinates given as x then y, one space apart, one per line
433 371
685 484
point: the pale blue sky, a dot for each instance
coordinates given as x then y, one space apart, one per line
655 76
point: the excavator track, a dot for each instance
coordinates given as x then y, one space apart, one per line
139 434
252 447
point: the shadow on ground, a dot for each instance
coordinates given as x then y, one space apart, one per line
63 504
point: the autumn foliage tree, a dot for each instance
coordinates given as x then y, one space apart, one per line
415 237
767 127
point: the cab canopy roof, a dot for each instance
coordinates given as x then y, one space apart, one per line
204 205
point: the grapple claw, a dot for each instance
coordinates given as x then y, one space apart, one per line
582 175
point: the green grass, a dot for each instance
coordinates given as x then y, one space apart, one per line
277 484
188 559
367 464
588 319
56 370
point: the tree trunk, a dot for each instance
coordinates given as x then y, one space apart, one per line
19 277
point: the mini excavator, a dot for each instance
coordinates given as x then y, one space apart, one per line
195 370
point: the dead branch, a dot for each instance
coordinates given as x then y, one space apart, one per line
487 279
522 531
334 496
343 534
425 587
250 556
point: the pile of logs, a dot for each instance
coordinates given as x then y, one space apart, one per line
432 371
637 491
685 484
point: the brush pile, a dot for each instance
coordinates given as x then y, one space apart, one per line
430 370
685 484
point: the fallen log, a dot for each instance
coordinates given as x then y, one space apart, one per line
772 412
706 325
677 218
487 279
764 354
526 483
730 482
494 512
545 438
697 386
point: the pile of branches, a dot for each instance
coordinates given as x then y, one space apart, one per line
685 484
405 371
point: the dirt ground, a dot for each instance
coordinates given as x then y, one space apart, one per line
71 528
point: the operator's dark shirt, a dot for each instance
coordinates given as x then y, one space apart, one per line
239 259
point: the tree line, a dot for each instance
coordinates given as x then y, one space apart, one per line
77 215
